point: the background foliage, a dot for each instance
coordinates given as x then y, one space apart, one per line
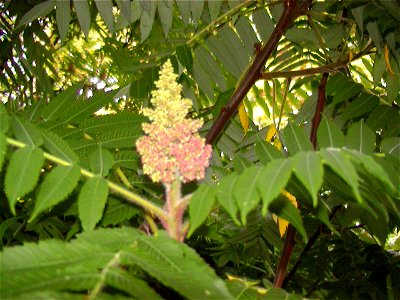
74 78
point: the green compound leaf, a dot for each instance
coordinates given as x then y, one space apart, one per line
22 173
91 202
308 168
83 13
57 185
200 206
105 9
63 15
173 264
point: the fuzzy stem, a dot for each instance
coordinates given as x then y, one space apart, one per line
175 210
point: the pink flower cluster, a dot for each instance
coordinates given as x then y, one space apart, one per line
172 150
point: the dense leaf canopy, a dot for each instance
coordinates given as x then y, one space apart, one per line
300 101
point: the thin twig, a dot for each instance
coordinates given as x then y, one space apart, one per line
318 111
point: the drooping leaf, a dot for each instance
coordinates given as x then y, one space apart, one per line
245 192
26 132
101 161
40 10
295 139
308 168
335 159
240 164
184 9
125 8
375 34
57 146
184 54
57 185
196 7
147 20
342 88
273 179
22 173
63 15
165 9
83 13
214 8
264 23
92 200
105 9
329 134
200 206
225 195
173 264
361 138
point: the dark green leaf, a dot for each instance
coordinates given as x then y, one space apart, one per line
363 104
22 173
266 152
245 192
105 9
335 159
225 195
165 9
308 168
272 181
91 202
184 9
147 21
184 54
286 210
117 211
263 23
63 15
3 149
173 264
4 119
329 135
240 163
295 139
391 146
375 34
361 138
83 13
213 8
200 206
196 8
40 10
125 8
57 185
134 286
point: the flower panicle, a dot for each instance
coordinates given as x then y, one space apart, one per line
172 148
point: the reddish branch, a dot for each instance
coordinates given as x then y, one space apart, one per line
291 12
319 109
291 232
